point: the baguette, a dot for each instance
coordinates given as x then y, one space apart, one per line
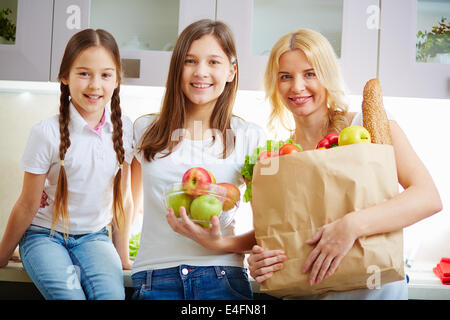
374 115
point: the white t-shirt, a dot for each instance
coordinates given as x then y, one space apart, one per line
161 247
90 164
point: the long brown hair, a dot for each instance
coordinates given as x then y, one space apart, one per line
173 111
77 44
321 56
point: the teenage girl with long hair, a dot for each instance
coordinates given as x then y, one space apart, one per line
195 128
80 158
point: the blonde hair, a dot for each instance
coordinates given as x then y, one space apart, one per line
321 56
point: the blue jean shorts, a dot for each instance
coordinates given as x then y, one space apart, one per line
187 282
80 267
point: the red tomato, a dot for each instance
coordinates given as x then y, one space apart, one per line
287 149
267 154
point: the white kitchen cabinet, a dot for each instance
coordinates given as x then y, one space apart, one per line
350 25
69 17
28 56
401 75
145 31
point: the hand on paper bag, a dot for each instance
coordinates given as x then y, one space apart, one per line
209 238
263 263
332 242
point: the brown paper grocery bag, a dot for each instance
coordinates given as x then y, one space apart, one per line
294 195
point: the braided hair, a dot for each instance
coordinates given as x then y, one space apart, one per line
116 119
77 44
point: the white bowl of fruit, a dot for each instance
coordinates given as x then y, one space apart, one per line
203 198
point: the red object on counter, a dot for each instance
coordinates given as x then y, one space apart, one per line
442 270
445 266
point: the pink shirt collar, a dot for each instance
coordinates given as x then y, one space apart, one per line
98 128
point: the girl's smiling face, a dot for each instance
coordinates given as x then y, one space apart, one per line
92 80
206 71
298 86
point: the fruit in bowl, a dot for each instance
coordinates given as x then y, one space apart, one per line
177 198
204 207
232 195
221 200
196 179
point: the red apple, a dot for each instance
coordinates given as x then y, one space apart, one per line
287 149
213 179
232 194
196 180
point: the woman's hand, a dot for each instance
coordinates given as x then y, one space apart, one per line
263 263
332 242
210 238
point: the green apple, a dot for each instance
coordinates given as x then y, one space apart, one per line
353 135
204 208
178 200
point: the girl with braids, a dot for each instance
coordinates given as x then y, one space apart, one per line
80 159
303 82
195 128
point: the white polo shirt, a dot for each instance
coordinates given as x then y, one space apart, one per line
90 164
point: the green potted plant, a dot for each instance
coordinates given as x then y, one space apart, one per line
7 28
433 43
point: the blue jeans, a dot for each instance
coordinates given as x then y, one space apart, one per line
190 282
80 267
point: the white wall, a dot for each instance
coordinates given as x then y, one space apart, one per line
425 122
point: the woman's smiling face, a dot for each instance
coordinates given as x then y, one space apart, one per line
298 86
206 71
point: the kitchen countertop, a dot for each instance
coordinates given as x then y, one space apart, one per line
423 283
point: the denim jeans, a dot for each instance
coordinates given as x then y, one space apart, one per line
80 267
191 282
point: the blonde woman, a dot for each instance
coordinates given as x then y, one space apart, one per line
305 88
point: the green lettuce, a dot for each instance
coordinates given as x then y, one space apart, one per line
250 161
134 244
